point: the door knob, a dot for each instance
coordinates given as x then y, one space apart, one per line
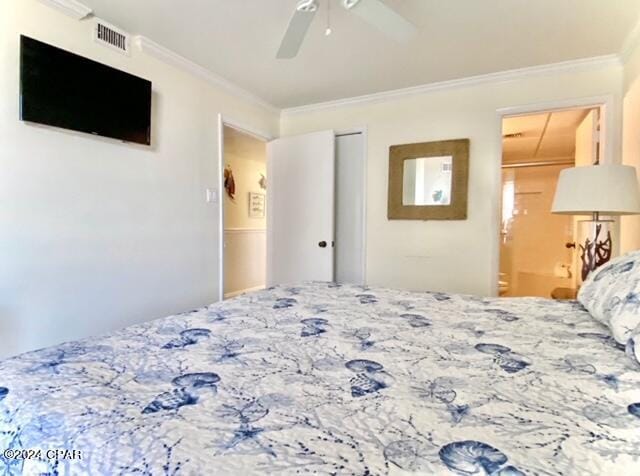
322 244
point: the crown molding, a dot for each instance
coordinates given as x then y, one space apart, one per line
78 11
631 42
71 8
168 56
585 64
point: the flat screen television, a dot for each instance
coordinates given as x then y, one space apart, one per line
62 89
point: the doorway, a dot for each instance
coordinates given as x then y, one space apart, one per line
243 198
537 248
313 191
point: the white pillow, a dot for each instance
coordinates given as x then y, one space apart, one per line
611 294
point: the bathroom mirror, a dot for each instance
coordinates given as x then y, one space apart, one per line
428 181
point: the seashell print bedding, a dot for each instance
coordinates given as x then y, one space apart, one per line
329 379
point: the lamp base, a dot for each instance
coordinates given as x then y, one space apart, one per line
595 245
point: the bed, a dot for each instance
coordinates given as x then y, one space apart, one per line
329 379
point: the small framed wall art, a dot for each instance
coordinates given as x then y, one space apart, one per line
256 205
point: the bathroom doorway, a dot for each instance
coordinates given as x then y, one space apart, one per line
537 248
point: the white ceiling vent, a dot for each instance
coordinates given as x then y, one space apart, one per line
111 37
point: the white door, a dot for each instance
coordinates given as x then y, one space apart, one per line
350 196
587 140
300 208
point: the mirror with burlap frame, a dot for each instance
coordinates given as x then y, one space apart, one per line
428 181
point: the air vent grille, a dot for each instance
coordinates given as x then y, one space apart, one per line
112 37
447 167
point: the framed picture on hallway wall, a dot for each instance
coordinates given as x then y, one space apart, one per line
256 205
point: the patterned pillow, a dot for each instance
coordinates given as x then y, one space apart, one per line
612 295
633 345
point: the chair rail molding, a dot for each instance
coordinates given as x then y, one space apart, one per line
238 231
71 8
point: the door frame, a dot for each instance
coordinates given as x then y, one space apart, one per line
224 120
365 173
610 118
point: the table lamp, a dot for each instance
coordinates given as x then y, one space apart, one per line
596 190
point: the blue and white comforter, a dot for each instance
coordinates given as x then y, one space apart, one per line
327 379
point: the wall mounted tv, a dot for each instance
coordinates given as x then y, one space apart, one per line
61 89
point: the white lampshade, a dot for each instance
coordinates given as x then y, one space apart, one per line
606 189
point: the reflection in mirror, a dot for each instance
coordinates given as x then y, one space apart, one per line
427 181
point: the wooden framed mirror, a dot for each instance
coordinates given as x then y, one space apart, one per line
428 181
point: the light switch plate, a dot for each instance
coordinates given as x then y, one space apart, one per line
212 196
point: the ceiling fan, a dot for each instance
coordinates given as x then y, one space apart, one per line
374 12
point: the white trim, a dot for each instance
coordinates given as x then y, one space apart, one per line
353 130
243 291
77 10
555 106
610 119
224 120
585 64
71 8
247 129
365 147
609 122
365 189
220 169
168 56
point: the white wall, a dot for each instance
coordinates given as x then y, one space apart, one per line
460 256
95 234
630 226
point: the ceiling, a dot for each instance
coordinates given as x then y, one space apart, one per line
542 136
238 40
243 145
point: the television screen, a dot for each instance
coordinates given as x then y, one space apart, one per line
61 89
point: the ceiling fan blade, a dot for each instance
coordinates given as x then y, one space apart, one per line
294 36
384 18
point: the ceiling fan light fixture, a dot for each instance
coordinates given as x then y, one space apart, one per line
374 12
328 30
349 4
307 6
